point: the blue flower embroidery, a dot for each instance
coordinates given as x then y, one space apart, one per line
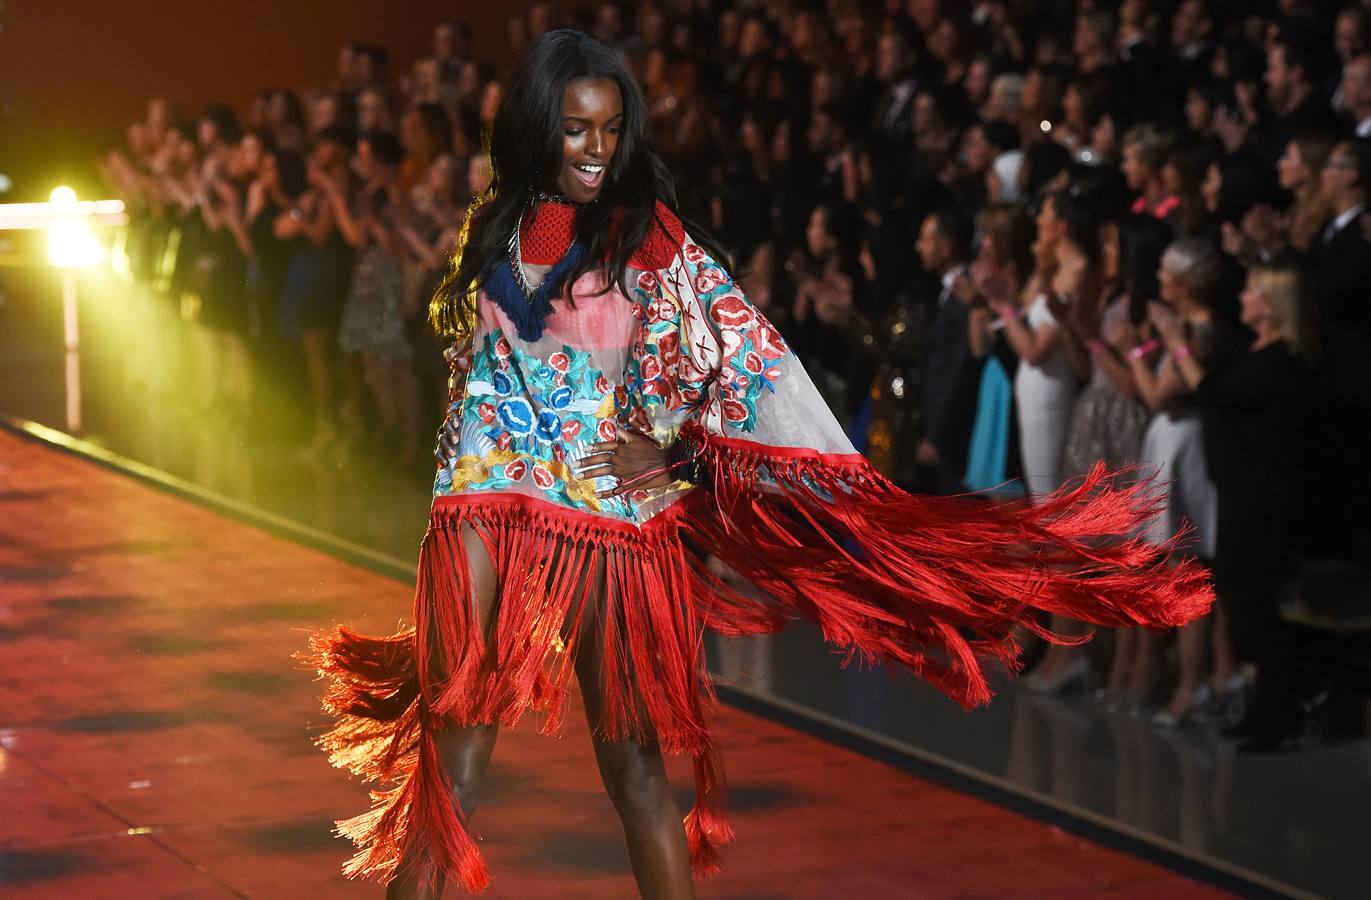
549 425
504 385
561 397
515 414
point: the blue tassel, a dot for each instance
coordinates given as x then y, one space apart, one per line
529 314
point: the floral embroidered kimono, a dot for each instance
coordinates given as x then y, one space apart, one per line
931 585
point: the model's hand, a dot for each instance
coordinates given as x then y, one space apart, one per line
629 457
448 440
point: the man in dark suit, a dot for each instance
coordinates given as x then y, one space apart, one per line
951 373
895 71
1342 268
1298 106
1356 96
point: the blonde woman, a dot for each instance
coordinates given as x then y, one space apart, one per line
1251 413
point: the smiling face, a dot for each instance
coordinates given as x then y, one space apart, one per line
592 118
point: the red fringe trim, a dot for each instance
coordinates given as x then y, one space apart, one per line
931 584
936 584
389 693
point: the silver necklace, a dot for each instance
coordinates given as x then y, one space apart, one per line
516 256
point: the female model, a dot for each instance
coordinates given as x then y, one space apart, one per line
619 410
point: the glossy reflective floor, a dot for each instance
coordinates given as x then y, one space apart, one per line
1297 819
155 740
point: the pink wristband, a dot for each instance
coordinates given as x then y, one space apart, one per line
1142 350
1181 352
1097 347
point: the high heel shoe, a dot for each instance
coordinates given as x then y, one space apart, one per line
1069 677
1196 702
1232 701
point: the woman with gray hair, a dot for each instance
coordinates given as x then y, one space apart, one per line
1189 279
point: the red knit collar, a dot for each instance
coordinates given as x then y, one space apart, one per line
548 231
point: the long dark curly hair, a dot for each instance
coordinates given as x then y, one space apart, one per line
525 146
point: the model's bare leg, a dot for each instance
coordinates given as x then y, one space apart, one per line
635 778
465 751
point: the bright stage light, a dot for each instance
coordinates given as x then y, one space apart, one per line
64 198
71 243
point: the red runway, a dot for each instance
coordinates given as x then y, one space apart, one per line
155 739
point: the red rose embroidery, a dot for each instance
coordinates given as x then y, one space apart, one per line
693 253
486 412
570 428
607 430
559 361
732 341
542 477
690 395
753 363
504 440
647 281
651 368
768 341
637 496
515 470
663 309
669 346
732 311
708 280
735 411
558 453
502 348
602 385
687 371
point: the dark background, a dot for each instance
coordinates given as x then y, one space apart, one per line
73 73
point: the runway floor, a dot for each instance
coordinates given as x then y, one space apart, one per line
155 738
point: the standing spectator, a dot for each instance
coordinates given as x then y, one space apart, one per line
1292 90
1356 96
1189 279
951 373
451 44
317 281
999 277
1045 386
1251 410
1342 263
1298 171
373 324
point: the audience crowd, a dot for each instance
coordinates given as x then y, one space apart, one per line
1008 239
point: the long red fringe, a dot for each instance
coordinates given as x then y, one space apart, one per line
931 584
388 694
937 584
